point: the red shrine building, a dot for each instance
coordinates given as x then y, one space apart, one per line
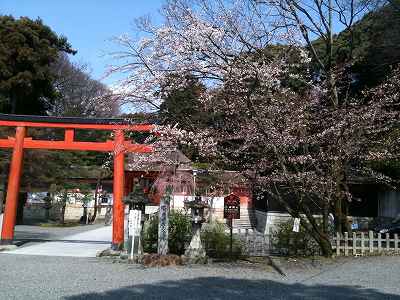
211 185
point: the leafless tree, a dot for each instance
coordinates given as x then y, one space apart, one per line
78 93
320 20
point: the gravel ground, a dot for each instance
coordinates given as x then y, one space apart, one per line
34 277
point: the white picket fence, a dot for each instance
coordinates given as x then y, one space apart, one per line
363 243
355 244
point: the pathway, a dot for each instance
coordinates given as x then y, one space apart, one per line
84 244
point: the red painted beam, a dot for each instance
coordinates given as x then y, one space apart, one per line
107 146
126 127
10 212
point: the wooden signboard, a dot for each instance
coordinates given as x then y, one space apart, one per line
134 222
232 207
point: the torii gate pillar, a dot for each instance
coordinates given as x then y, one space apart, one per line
118 190
10 212
119 146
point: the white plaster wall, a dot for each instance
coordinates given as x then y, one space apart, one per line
214 202
73 212
268 221
389 204
214 212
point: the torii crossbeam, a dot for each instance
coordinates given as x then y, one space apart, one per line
119 146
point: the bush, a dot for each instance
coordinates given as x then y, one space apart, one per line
217 242
290 243
150 235
179 233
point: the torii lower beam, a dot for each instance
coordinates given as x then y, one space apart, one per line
119 147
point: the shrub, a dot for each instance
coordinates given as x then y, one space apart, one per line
290 243
179 233
217 242
150 235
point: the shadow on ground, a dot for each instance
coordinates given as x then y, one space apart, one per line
22 235
225 288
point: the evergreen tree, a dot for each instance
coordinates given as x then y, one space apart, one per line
27 50
181 105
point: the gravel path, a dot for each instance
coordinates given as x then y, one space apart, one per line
83 244
33 232
39 277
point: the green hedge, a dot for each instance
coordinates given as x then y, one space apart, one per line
217 242
179 233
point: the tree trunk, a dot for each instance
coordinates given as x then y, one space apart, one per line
325 245
325 218
62 216
309 224
96 195
321 237
338 215
341 204
3 182
13 103
332 89
2 194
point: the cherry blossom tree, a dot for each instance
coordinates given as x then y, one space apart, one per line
200 38
276 123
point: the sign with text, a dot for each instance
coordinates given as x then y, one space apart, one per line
163 226
296 225
232 207
134 222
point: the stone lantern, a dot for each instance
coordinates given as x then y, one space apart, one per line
197 207
137 199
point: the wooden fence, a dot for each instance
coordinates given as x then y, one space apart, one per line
363 243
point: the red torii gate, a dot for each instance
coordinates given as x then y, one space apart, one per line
20 142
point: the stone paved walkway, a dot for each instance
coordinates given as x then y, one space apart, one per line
84 244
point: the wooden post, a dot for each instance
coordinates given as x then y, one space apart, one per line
118 190
338 243
69 135
371 241
231 234
354 243
346 244
387 242
10 212
362 242
265 249
379 242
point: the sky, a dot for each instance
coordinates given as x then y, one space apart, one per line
89 25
